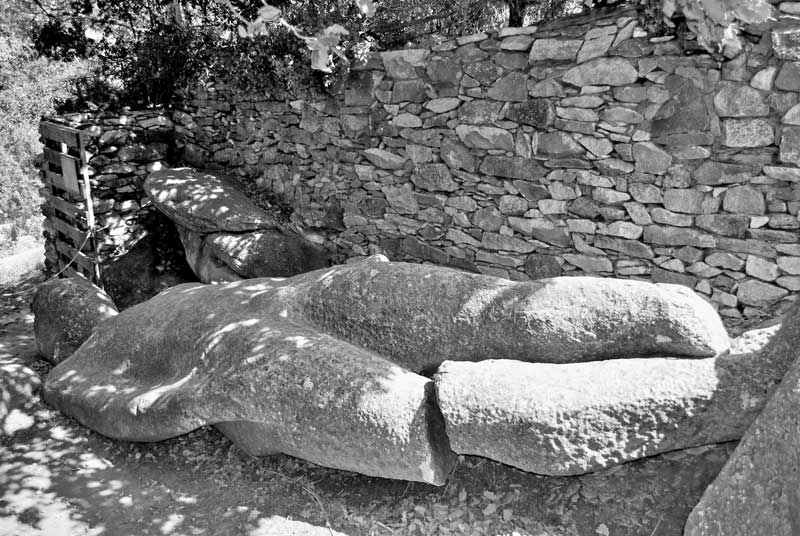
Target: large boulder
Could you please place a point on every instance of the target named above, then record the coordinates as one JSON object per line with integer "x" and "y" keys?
{"x": 66, "y": 312}
{"x": 756, "y": 493}
{"x": 205, "y": 202}
{"x": 267, "y": 253}
{"x": 576, "y": 418}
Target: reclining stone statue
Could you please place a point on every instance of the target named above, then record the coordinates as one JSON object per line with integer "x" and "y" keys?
{"x": 331, "y": 366}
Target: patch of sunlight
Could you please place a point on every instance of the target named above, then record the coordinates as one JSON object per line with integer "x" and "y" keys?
{"x": 143, "y": 402}
{"x": 172, "y": 522}
{"x": 299, "y": 341}
{"x": 270, "y": 526}
{"x": 216, "y": 337}
{"x": 15, "y": 421}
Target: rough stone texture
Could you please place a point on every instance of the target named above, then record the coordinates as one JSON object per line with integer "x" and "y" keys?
{"x": 268, "y": 253}
{"x": 203, "y": 261}
{"x": 240, "y": 356}
{"x": 577, "y": 418}
{"x": 602, "y": 71}
{"x": 479, "y": 316}
{"x": 204, "y": 202}
{"x": 66, "y": 312}
{"x": 756, "y": 491}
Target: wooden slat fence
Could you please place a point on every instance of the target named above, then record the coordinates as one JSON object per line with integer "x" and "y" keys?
{"x": 71, "y": 211}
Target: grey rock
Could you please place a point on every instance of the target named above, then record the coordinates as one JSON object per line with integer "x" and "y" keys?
{"x": 650, "y": 158}
{"x": 66, "y": 312}
{"x": 480, "y": 137}
{"x": 542, "y": 266}
{"x": 759, "y": 294}
{"x": 401, "y": 63}
{"x": 456, "y": 155}
{"x": 385, "y": 159}
{"x": 513, "y": 167}
{"x": 576, "y": 418}
{"x": 790, "y": 145}
{"x": 724, "y": 224}
{"x": 535, "y": 112}
{"x": 755, "y": 494}
{"x": 747, "y": 132}
{"x": 734, "y": 100}
{"x": 555, "y": 49}
{"x": 401, "y": 199}
{"x": 434, "y": 178}
{"x": 716, "y": 173}
{"x": 201, "y": 259}
{"x": 205, "y": 202}
{"x": 512, "y": 87}
{"x": 744, "y": 200}
{"x": 684, "y": 200}
{"x": 558, "y": 144}
{"x": 268, "y": 253}
{"x": 613, "y": 71}
{"x": 677, "y": 236}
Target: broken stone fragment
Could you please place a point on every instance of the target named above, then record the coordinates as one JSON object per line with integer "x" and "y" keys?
{"x": 576, "y": 418}
{"x": 755, "y": 494}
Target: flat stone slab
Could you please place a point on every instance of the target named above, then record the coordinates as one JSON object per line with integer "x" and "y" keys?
{"x": 577, "y": 418}
{"x": 205, "y": 202}
{"x": 756, "y": 493}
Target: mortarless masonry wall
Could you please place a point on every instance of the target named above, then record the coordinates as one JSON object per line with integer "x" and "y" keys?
{"x": 583, "y": 146}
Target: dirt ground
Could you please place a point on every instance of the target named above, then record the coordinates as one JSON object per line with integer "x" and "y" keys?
{"x": 59, "y": 478}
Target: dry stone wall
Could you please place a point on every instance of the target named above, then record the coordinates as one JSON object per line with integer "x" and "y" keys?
{"x": 123, "y": 148}
{"x": 584, "y": 146}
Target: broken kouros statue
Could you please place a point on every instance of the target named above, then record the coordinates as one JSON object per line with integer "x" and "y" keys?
{"x": 225, "y": 235}
{"x": 332, "y": 366}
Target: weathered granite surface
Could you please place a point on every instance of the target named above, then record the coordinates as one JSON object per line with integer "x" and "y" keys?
{"x": 756, "y": 493}
{"x": 67, "y": 311}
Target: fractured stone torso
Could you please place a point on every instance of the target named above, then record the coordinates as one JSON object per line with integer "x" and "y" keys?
{"x": 557, "y": 376}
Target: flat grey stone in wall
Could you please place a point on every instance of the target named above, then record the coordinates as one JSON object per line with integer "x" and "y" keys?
{"x": 724, "y": 224}
{"x": 409, "y": 91}
{"x": 677, "y": 236}
{"x": 513, "y": 167}
{"x": 747, "y": 132}
{"x": 744, "y": 200}
{"x": 788, "y": 78}
{"x": 385, "y": 159}
{"x": 633, "y": 248}
{"x": 547, "y": 49}
{"x": 510, "y": 88}
{"x": 716, "y": 173}
{"x": 601, "y": 72}
{"x": 480, "y": 137}
{"x": 734, "y": 100}
{"x": 457, "y": 155}
{"x": 650, "y": 158}
{"x": 558, "y": 144}
{"x": 434, "y": 177}
{"x": 685, "y": 200}
{"x": 401, "y": 199}
{"x": 758, "y": 294}
{"x": 535, "y": 112}
{"x": 542, "y": 266}
{"x": 790, "y": 145}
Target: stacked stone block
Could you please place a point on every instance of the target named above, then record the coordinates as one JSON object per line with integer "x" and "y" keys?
{"x": 123, "y": 148}
{"x": 583, "y": 146}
